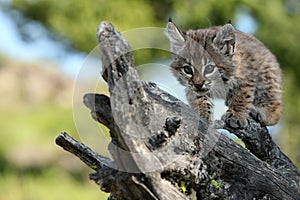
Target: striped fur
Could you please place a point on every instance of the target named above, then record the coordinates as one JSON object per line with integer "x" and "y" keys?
{"x": 221, "y": 62}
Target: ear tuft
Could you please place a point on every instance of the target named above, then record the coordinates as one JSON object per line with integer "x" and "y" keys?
{"x": 225, "y": 39}
{"x": 176, "y": 37}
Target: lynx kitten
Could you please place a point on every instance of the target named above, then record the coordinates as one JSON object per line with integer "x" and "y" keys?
{"x": 225, "y": 63}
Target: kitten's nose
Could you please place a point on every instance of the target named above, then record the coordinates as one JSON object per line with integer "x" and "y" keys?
{"x": 198, "y": 86}
{"x": 201, "y": 87}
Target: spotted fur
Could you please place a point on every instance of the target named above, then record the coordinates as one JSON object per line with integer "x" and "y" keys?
{"x": 225, "y": 63}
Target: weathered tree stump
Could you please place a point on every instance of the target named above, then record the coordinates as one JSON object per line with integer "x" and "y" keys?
{"x": 161, "y": 149}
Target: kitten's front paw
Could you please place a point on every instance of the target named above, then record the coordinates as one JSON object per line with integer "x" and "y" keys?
{"x": 234, "y": 120}
{"x": 256, "y": 115}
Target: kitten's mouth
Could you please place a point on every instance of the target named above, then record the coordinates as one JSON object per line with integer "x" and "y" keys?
{"x": 202, "y": 91}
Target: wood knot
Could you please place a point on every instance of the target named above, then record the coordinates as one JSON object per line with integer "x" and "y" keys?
{"x": 172, "y": 124}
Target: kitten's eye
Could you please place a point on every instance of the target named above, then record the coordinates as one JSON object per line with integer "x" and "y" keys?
{"x": 188, "y": 69}
{"x": 209, "y": 69}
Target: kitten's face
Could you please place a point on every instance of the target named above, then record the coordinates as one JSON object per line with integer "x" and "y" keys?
{"x": 193, "y": 65}
{"x": 194, "y": 69}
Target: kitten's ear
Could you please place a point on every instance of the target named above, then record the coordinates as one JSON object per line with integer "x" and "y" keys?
{"x": 225, "y": 39}
{"x": 176, "y": 37}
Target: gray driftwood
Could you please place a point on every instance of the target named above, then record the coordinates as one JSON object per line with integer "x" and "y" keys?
{"x": 161, "y": 149}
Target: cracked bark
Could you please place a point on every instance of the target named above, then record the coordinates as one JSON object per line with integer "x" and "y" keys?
{"x": 161, "y": 149}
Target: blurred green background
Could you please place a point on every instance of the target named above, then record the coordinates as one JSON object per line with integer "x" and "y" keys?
{"x": 43, "y": 46}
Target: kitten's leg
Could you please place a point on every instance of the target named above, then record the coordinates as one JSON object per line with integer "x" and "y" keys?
{"x": 239, "y": 99}
{"x": 267, "y": 108}
{"x": 267, "y": 99}
{"x": 267, "y": 115}
{"x": 204, "y": 107}
{"x": 272, "y": 113}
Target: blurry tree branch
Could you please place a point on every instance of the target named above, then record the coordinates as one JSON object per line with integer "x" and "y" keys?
{"x": 161, "y": 149}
